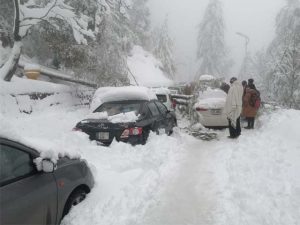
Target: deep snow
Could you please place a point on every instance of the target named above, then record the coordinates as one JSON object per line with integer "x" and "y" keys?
{"x": 146, "y": 70}
{"x": 179, "y": 179}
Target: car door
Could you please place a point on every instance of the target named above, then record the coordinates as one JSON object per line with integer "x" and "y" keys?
{"x": 167, "y": 121}
{"x": 27, "y": 196}
{"x": 156, "y": 117}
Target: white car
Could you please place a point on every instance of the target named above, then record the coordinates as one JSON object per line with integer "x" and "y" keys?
{"x": 163, "y": 95}
{"x": 209, "y": 108}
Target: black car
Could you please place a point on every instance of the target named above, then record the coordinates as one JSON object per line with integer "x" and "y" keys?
{"x": 152, "y": 116}
{"x": 38, "y": 191}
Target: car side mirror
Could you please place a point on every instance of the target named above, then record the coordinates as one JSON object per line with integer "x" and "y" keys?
{"x": 168, "y": 111}
{"x": 48, "y": 166}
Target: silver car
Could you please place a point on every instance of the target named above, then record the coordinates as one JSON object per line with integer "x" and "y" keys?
{"x": 30, "y": 196}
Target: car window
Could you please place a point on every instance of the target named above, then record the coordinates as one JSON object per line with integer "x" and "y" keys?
{"x": 153, "y": 109}
{"x": 14, "y": 164}
{"x": 114, "y": 108}
{"x": 161, "y": 98}
{"x": 145, "y": 110}
{"x": 162, "y": 108}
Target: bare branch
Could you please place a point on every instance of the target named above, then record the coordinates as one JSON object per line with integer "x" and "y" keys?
{"x": 47, "y": 13}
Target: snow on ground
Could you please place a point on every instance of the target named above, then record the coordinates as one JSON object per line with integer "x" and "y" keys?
{"x": 179, "y": 179}
{"x": 22, "y": 85}
{"x": 146, "y": 69}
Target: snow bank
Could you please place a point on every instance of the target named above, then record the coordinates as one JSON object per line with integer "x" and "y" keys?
{"x": 20, "y": 95}
{"x": 22, "y": 85}
{"x": 107, "y": 94}
{"x": 48, "y": 148}
{"x": 146, "y": 69}
{"x": 259, "y": 179}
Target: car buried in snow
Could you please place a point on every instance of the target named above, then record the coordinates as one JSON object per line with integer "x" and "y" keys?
{"x": 36, "y": 190}
{"x": 164, "y": 96}
{"x": 126, "y": 114}
{"x": 209, "y": 108}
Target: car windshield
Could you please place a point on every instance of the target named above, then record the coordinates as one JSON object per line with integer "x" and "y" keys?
{"x": 114, "y": 108}
{"x": 162, "y": 98}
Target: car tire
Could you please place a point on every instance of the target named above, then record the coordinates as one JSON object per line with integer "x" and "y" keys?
{"x": 77, "y": 196}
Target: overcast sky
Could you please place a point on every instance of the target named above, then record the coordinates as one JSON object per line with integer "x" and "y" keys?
{"x": 256, "y": 18}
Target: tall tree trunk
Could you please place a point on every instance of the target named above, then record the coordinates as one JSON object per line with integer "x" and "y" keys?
{"x": 10, "y": 67}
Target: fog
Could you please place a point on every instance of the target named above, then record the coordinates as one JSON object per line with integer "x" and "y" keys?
{"x": 255, "y": 18}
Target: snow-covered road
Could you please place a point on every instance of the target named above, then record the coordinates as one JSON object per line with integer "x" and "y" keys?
{"x": 179, "y": 179}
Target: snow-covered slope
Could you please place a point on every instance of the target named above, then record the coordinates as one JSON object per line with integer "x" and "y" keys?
{"x": 146, "y": 69}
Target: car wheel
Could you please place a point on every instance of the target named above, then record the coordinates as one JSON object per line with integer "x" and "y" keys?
{"x": 75, "y": 198}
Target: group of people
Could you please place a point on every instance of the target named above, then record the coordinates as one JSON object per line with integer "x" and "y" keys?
{"x": 243, "y": 100}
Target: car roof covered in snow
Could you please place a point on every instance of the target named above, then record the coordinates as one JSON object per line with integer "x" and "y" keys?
{"x": 206, "y": 77}
{"x": 161, "y": 91}
{"x": 112, "y": 94}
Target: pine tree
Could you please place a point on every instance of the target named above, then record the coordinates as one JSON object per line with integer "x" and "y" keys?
{"x": 283, "y": 78}
{"x": 163, "y": 49}
{"x": 139, "y": 15}
{"x": 211, "y": 51}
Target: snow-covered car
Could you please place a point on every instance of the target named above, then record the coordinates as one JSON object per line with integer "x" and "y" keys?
{"x": 38, "y": 191}
{"x": 209, "y": 108}
{"x": 164, "y": 96}
{"x": 126, "y": 114}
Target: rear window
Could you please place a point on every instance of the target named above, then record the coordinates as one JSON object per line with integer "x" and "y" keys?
{"x": 114, "y": 108}
{"x": 153, "y": 109}
{"x": 162, "y": 98}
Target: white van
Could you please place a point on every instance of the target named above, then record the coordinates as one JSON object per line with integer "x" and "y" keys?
{"x": 163, "y": 95}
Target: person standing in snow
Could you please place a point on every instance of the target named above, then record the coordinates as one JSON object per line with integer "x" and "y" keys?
{"x": 244, "y": 84}
{"x": 225, "y": 87}
{"x": 233, "y": 107}
{"x": 250, "y": 104}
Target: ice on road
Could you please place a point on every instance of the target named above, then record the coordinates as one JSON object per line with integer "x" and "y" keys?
{"x": 179, "y": 179}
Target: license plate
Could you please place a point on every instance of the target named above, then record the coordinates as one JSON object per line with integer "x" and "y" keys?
{"x": 102, "y": 135}
{"x": 216, "y": 111}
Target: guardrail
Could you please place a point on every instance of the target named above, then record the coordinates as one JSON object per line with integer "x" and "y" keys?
{"x": 51, "y": 73}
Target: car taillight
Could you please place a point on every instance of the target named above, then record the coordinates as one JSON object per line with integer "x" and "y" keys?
{"x": 132, "y": 131}
{"x": 199, "y": 109}
{"x": 174, "y": 104}
{"x": 76, "y": 129}
{"x": 136, "y": 131}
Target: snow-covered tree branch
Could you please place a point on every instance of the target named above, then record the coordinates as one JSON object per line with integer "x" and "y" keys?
{"x": 31, "y": 13}
{"x": 283, "y": 77}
